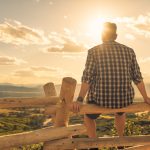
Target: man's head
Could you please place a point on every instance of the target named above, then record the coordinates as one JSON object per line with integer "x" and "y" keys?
{"x": 109, "y": 32}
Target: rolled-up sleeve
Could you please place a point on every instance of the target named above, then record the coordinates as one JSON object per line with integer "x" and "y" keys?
{"x": 135, "y": 70}
{"x": 90, "y": 68}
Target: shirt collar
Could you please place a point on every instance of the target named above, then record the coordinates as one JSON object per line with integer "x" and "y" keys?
{"x": 109, "y": 42}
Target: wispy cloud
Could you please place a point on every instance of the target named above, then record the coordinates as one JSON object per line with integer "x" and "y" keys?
{"x": 67, "y": 45}
{"x": 65, "y": 17}
{"x": 37, "y": 0}
{"x": 38, "y": 74}
{"x": 24, "y": 73}
{"x": 7, "y": 60}
{"x": 144, "y": 60}
{"x": 75, "y": 56}
{"x": 51, "y": 2}
{"x": 40, "y": 71}
{"x": 43, "y": 68}
{"x": 130, "y": 36}
{"x": 140, "y": 24}
{"x": 14, "y": 32}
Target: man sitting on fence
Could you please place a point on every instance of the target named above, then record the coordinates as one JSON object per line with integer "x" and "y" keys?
{"x": 109, "y": 70}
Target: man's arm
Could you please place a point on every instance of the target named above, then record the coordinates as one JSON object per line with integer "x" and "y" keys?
{"x": 83, "y": 90}
{"x": 141, "y": 88}
{"x": 75, "y": 107}
{"x": 86, "y": 80}
{"x": 138, "y": 79}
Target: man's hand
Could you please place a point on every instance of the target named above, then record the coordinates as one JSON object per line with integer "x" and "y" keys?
{"x": 147, "y": 100}
{"x": 75, "y": 106}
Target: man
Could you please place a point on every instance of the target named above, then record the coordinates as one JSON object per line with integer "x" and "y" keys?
{"x": 110, "y": 68}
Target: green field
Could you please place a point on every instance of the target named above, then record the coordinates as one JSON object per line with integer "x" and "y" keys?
{"x": 31, "y": 119}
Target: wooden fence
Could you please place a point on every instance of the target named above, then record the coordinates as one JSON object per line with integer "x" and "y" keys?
{"x": 58, "y": 137}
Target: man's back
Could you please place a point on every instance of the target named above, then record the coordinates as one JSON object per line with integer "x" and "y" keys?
{"x": 110, "y": 68}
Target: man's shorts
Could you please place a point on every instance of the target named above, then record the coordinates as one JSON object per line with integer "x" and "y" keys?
{"x": 95, "y": 116}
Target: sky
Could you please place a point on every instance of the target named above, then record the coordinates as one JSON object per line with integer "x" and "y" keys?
{"x": 45, "y": 40}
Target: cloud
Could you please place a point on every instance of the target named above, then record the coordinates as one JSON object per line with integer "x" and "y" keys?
{"x": 65, "y": 17}
{"x": 143, "y": 27}
{"x": 51, "y": 2}
{"x": 26, "y": 76}
{"x": 144, "y": 60}
{"x": 129, "y": 36}
{"x": 37, "y": 0}
{"x": 40, "y": 71}
{"x": 67, "y": 31}
{"x": 14, "y": 32}
{"x": 24, "y": 73}
{"x": 56, "y": 38}
{"x": 69, "y": 45}
{"x": 65, "y": 42}
{"x": 75, "y": 56}
{"x": 43, "y": 68}
{"x": 140, "y": 24}
{"x": 6, "y": 60}
{"x": 37, "y": 74}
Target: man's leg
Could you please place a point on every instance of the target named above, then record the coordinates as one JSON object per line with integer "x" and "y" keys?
{"x": 90, "y": 126}
{"x": 89, "y": 121}
{"x": 120, "y": 119}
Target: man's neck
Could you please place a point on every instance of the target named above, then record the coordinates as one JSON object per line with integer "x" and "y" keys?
{"x": 104, "y": 41}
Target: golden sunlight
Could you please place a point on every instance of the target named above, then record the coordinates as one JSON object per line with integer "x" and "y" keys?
{"x": 94, "y": 28}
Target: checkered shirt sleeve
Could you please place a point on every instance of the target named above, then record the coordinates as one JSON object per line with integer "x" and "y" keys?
{"x": 135, "y": 70}
{"x": 90, "y": 68}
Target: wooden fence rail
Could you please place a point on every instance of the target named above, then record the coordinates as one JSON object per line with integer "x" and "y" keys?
{"x": 49, "y": 103}
{"x": 28, "y": 102}
{"x": 41, "y": 135}
{"x": 81, "y": 143}
{"x": 90, "y": 108}
{"x": 139, "y": 147}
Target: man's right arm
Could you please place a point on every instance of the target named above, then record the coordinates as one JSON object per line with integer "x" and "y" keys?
{"x": 84, "y": 89}
{"x": 138, "y": 79}
{"x": 141, "y": 88}
{"x": 75, "y": 107}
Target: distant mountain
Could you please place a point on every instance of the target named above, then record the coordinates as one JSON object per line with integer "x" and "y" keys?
{"x": 12, "y": 90}
{"x": 11, "y": 87}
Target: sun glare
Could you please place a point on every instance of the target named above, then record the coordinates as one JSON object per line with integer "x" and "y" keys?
{"x": 94, "y": 28}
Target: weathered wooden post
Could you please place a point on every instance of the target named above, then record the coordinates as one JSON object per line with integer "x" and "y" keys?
{"x": 50, "y": 90}
{"x": 66, "y": 96}
{"x": 62, "y": 113}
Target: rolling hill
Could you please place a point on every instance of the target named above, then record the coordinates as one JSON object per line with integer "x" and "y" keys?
{"x": 12, "y": 90}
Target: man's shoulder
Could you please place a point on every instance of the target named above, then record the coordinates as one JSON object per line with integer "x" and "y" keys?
{"x": 100, "y": 47}
{"x": 94, "y": 48}
{"x": 125, "y": 46}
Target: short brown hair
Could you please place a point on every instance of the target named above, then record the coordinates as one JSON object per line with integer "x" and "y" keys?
{"x": 110, "y": 27}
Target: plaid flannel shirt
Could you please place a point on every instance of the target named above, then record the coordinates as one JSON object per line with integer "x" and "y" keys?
{"x": 110, "y": 69}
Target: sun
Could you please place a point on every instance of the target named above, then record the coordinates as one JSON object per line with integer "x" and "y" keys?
{"x": 94, "y": 28}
